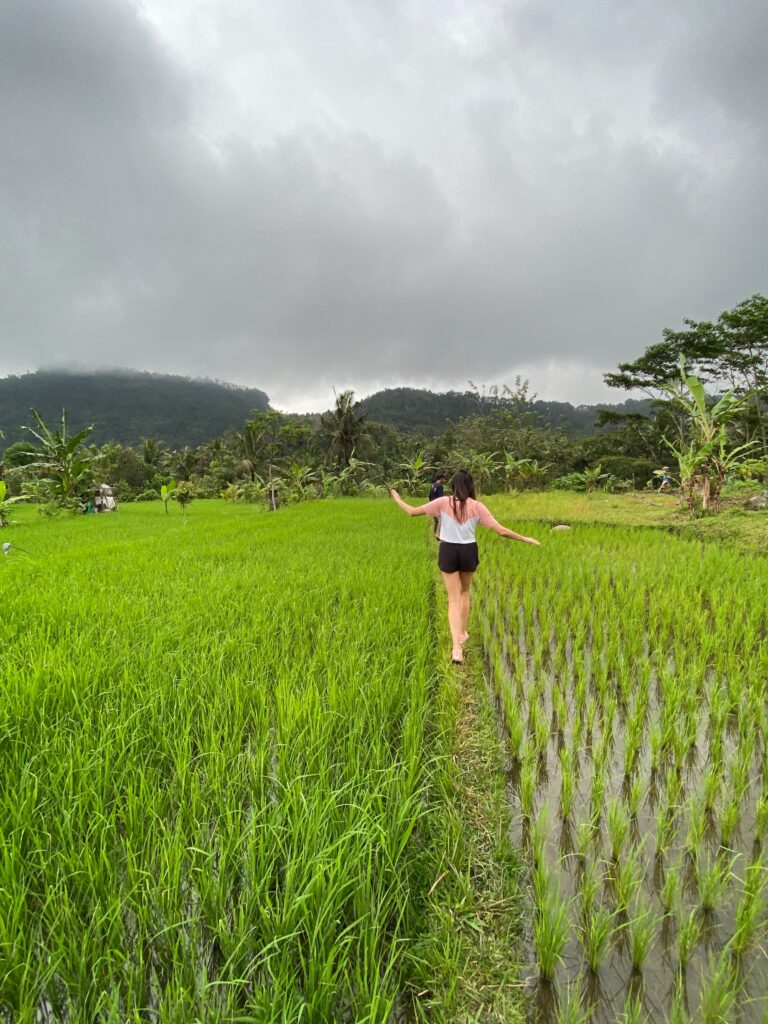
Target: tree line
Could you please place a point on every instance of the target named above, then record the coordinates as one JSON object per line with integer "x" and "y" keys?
{"x": 707, "y": 419}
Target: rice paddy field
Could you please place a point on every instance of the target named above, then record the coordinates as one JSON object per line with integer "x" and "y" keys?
{"x": 629, "y": 672}
{"x": 217, "y": 734}
{"x": 228, "y": 746}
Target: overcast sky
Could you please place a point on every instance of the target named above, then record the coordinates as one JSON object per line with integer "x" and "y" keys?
{"x": 302, "y": 194}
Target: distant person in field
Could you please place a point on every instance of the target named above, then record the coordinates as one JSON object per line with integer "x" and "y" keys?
{"x": 437, "y": 491}
{"x": 666, "y": 480}
{"x": 457, "y": 555}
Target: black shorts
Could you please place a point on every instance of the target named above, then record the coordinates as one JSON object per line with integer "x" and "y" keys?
{"x": 457, "y": 557}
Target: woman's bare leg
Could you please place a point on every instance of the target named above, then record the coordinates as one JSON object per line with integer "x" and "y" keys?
{"x": 452, "y": 581}
{"x": 465, "y": 579}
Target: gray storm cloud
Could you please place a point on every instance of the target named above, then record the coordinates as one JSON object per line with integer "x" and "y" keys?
{"x": 294, "y": 194}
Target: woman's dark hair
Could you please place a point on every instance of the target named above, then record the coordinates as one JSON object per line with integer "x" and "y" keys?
{"x": 462, "y": 487}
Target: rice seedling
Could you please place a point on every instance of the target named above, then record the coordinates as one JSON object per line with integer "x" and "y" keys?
{"x": 635, "y": 797}
{"x": 528, "y": 784}
{"x": 627, "y": 877}
{"x": 632, "y": 1011}
{"x": 730, "y": 816}
{"x": 590, "y": 884}
{"x": 712, "y": 876}
{"x": 585, "y": 836}
{"x": 596, "y": 929}
{"x": 761, "y": 818}
{"x": 711, "y": 788}
{"x": 617, "y": 824}
{"x": 538, "y": 836}
{"x": 550, "y": 932}
{"x": 671, "y": 888}
{"x": 568, "y": 784}
{"x": 751, "y": 920}
{"x": 697, "y": 826}
{"x": 688, "y": 937}
{"x": 641, "y": 929}
{"x": 571, "y": 1008}
{"x": 718, "y": 995}
{"x": 677, "y": 1011}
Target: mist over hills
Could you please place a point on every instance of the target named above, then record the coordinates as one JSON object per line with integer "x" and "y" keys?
{"x": 129, "y": 405}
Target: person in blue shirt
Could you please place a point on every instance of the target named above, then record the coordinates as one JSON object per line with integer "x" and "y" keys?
{"x": 437, "y": 491}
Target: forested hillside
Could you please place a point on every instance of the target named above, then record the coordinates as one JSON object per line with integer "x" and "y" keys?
{"x": 412, "y": 410}
{"x": 128, "y": 405}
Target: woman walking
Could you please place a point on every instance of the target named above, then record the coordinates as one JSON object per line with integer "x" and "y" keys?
{"x": 458, "y": 556}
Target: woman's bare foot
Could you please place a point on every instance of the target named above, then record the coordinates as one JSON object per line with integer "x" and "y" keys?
{"x": 457, "y": 656}
{"x": 463, "y": 638}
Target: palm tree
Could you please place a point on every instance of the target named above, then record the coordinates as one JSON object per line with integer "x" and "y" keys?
{"x": 185, "y": 463}
{"x": 153, "y": 453}
{"x": 344, "y": 428}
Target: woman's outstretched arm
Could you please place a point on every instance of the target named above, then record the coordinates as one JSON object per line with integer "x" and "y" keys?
{"x": 487, "y": 519}
{"x": 432, "y": 508}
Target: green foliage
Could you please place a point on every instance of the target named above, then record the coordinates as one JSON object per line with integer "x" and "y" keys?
{"x": 61, "y": 455}
{"x": 184, "y": 494}
{"x": 5, "y": 504}
{"x": 166, "y": 493}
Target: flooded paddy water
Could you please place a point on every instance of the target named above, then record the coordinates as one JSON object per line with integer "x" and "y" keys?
{"x": 629, "y": 672}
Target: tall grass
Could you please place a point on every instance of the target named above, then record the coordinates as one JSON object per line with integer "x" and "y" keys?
{"x": 217, "y": 737}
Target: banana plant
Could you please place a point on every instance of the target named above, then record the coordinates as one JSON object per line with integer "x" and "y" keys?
{"x": 707, "y": 460}
{"x": 166, "y": 493}
{"x": 61, "y": 453}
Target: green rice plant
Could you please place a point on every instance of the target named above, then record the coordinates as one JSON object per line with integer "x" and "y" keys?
{"x": 656, "y": 745}
{"x": 697, "y": 826}
{"x": 641, "y": 928}
{"x": 590, "y": 885}
{"x": 751, "y": 919}
{"x": 632, "y": 746}
{"x": 514, "y": 722}
{"x": 550, "y": 932}
{"x": 538, "y": 835}
{"x": 632, "y": 1011}
{"x": 730, "y": 817}
{"x": 595, "y": 932}
{"x": 674, "y": 786}
{"x": 627, "y": 877}
{"x": 688, "y": 938}
{"x": 711, "y": 788}
{"x": 671, "y": 888}
{"x": 761, "y": 818}
{"x": 568, "y": 784}
{"x": 586, "y": 834}
{"x": 597, "y": 794}
{"x": 528, "y": 785}
{"x": 542, "y": 736}
{"x": 719, "y": 992}
{"x": 666, "y": 830}
{"x": 617, "y": 824}
{"x": 677, "y": 1011}
{"x": 577, "y": 730}
{"x": 571, "y": 1009}
{"x": 635, "y": 797}
{"x": 712, "y": 877}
